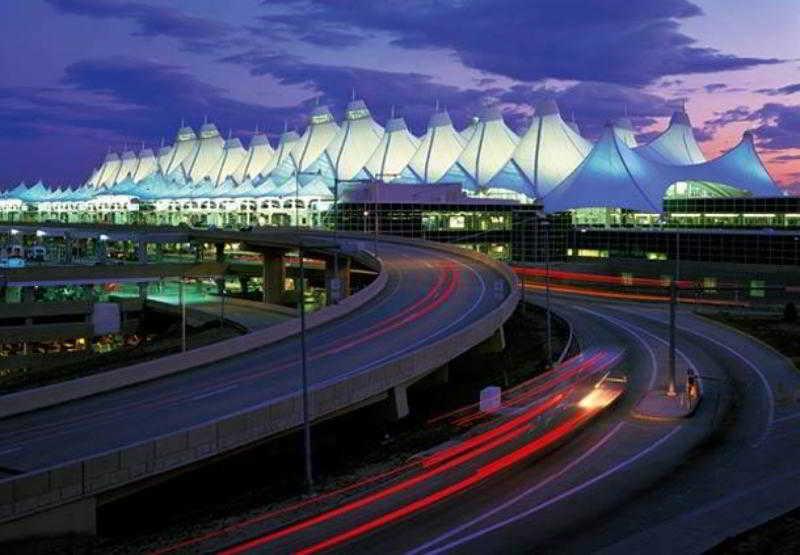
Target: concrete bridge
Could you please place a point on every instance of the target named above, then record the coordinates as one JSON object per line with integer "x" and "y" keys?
{"x": 67, "y": 448}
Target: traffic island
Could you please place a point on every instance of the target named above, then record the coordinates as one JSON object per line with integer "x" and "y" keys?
{"x": 657, "y": 405}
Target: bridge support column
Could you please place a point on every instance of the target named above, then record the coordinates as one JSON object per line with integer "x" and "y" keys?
{"x": 68, "y": 244}
{"x": 274, "y": 276}
{"x": 142, "y": 291}
{"x": 495, "y": 344}
{"x": 244, "y": 284}
{"x": 79, "y": 517}
{"x": 27, "y": 294}
{"x": 141, "y": 252}
{"x": 337, "y": 278}
{"x": 397, "y": 403}
{"x": 441, "y": 375}
{"x": 220, "y": 258}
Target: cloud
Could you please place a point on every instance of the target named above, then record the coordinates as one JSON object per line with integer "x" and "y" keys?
{"x": 714, "y": 87}
{"x": 618, "y": 41}
{"x": 788, "y": 89}
{"x": 775, "y": 126}
{"x": 196, "y": 33}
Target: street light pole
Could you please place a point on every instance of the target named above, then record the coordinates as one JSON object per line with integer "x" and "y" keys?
{"x": 304, "y": 364}
{"x": 546, "y": 225}
{"x": 673, "y": 305}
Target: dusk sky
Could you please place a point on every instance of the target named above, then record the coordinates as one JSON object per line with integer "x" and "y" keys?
{"x": 81, "y": 76}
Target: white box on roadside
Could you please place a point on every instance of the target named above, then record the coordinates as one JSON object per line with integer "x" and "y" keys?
{"x": 491, "y": 399}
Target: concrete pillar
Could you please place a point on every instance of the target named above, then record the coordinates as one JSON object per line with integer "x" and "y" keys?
{"x": 441, "y": 375}
{"x": 220, "y": 258}
{"x": 68, "y": 243}
{"x": 495, "y": 344}
{"x": 142, "y": 291}
{"x": 101, "y": 250}
{"x": 332, "y": 278}
{"x": 244, "y": 284}
{"x": 27, "y": 294}
{"x": 141, "y": 252}
{"x": 274, "y": 276}
{"x": 397, "y": 403}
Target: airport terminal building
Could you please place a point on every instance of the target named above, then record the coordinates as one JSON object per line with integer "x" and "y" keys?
{"x": 491, "y": 174}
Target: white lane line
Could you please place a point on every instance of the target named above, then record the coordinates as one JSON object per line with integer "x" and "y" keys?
{"x": 552, "y": 501}
{"x": 517, "y": 498}
{"x": 748, "y": 362}
{"x": 627, "y": 327}
{"x": 11, "y": 450}
{"x": 787, "y": 418}
{"x": 213, "y": 392}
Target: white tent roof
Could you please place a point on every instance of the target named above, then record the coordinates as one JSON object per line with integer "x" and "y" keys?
{"x": 612, "y": 175}
{"x": 208, "y": 152}
{"x": 259, "y": 160}
{"x": 284, "y": 163}
{"x": 109, "y": 170}
{"x": 490, "y": 147}
{"x": 624, "y": 130}
{"x": 128, "y": 166}
{"x": 229, "y": 164}
{"x": 355, "y": 142}
{"x": 676, "y": 145}
{"x": 469, "y": 130}
{"x": 395, "y": 150}
{"x": 322, "y": 129}
{"x": 183, "y": 149}
{"x": 146, "y": 165}
{"x": 550, "y": 150}
{"x": 439, "y": 148}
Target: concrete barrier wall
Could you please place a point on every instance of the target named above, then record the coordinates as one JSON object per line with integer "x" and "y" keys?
{"x": 34, "y": 399}
{"x": 30, "y": 493}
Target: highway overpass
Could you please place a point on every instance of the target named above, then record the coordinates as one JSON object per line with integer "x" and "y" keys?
{"x": 429, "y": 304}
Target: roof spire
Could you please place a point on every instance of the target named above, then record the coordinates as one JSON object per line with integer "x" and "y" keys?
{"x": 316, "y": 101}
{"x": 285, "y": 126}
{"x": 229, "y": 133}
{"x": 205, "y": 119}
{"x": 183, "y": 123}
{"x": 436, "y": 106}
{"x": 392, "y": 112}
{"x": 573, "y": 116}
{"x": 353, "y": 97}
{"x": 626, "y": 109}
{"x": 256, "y": 132}
{"x": 162, "y": 142}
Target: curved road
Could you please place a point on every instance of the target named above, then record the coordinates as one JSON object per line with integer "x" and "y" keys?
{"x": 430, "y": 294}
{"x": 624, "y": 485}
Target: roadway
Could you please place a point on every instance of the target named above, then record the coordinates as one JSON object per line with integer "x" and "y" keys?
{"x": 622, "y": 485}
{"x": 429, "y": 295}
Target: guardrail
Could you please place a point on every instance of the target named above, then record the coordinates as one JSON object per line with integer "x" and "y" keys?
{"x": 55, "y": 394}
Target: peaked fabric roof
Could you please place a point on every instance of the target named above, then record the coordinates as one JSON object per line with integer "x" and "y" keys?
{"x": 322, "y": 129}
{"x": 550, "y": 150}
{"x": 200, "y": 165}
{"x": 676, "y": 145}
{"x": 183, "y": 149}
{"x": 489, "y": 149}
{"x": 355, "y": 142}
{"x": 438, "y": 150}
{"x": 394, "y": 152}
{"x": 258, "y": 161}
{"x": 146, "y": 165}
{"x": 228, "y": 165}
{"x": 613, "y": 176}
{"x": 624, "y": 130}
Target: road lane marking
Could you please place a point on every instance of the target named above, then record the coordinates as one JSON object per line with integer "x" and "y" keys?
{"x": 11, "y": 450}
{"x": 214, "y": 392}
{"x": 748, "y": 362}
{"x": 553, "y": 500}
{"x": 603, "y": 440}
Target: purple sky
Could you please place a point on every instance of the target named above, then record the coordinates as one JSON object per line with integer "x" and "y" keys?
{"x": 80, "y": 76}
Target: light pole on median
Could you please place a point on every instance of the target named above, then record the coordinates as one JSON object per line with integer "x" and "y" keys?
{"x": 673, "y": 304}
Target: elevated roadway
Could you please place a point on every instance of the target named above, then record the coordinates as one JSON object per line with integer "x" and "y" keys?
{"x": 436, "y": 303}
{"x": 624, "y": 484}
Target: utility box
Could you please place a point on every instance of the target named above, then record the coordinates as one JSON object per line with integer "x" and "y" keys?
{"x": 491, "y": 399}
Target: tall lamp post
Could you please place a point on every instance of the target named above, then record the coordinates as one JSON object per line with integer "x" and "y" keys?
{"x": 673, "y": 304}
